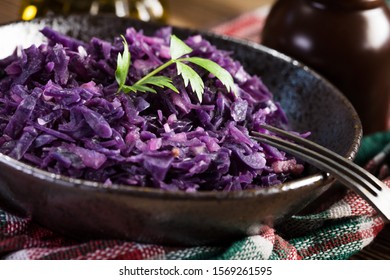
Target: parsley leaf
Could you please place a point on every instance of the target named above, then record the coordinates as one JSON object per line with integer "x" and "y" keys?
{"x": 123, "y": 65}
{"x": 214, "y": 68}
{"x": 180, "y": 52}
{"x": 190, "y": 76}
{"x": 161, "y": 81}
{"x": 178, "y": 48}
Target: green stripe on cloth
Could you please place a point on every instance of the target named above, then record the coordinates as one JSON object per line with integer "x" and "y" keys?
{"x": 371, "y": 145}
{"x": 195, "y": 253}
{"x": 337, "y": 240}
{"x": 251, "y": 248}
{"x": 3, "y": 222}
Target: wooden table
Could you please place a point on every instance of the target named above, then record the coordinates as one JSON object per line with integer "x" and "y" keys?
{"x": 204, "y": 15}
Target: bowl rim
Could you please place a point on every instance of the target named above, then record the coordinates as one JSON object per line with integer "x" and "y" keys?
{"x": 312, "y": 179}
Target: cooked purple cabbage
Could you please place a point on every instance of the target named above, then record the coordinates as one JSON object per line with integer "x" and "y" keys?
{"x": 60, "y": 111}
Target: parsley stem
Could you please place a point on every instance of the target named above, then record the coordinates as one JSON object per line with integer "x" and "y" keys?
{"x": 155, "y": 71}
{"x": 158, "y": 69}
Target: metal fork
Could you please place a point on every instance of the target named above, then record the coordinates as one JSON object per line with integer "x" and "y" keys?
{"x": 345, "y": 171}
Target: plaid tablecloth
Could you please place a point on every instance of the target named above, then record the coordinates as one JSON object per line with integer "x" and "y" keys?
{"x": 336, "y": 231}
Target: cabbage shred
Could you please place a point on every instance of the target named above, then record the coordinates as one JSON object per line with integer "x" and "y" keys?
{"x": 60, "y": 111}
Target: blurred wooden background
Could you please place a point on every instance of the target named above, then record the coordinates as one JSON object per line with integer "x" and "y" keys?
{"x": 188, "y": 13}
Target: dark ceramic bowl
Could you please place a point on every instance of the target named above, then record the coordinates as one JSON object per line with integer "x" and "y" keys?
{"x": 90, "y": 210}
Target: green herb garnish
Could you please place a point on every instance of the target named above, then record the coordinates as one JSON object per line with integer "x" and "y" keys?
{"x": 178, "y": 49}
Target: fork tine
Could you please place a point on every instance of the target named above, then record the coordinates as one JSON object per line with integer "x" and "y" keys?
{"x": 315, "y": 147}
{"x": 344, "y": 170}
{"x": 322, "y": 162}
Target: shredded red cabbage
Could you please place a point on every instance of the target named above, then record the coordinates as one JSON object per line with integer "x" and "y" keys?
{"x": 60, "y": 111}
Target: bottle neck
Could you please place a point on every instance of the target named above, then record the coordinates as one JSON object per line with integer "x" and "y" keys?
{"x": 347, "y": 4}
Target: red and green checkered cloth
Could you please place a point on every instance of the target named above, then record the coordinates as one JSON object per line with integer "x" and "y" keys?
{"x": 340, "y": 230}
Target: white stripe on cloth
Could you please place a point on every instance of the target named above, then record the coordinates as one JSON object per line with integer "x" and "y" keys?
{"x": 340, "y": 209}
{"x": 18, "y": 255}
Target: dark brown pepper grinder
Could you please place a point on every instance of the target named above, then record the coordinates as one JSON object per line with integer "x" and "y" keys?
{"x": 346, "y": 41}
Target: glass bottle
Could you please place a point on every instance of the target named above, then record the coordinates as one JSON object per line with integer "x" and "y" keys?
{"x": 146, "y": 10}
{"x": 347, "y": 41}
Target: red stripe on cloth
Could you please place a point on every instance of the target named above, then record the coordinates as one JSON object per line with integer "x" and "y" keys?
{"x": 33, "y": 237}
{"x": 359, "y": 206}
{"x": 11, "y": 225}
{"x": 126, "y": 251}
{"x": 284, "y": 250}
{"x": 387, "y": 182}
{"x": 95, "y": 250}
{"x": 241, "y": 27}
{"x": 247, "y": 26}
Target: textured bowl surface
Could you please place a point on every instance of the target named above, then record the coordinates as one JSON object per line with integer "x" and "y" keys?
{"x": 90, "y": 210}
